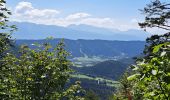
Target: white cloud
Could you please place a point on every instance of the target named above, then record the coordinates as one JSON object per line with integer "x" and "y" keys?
{"x": 99, "y": 22}
{"x": 77, "y": 16}
{"x": 25, "y": 11}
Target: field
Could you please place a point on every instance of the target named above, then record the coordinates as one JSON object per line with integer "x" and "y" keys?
{"x": 99, "y": 80}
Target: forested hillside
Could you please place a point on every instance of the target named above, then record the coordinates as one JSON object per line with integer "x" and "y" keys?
{"x": 107, "y": 69}
{"x": 101, "y": 48}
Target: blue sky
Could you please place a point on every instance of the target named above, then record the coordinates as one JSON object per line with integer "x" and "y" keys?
{"x": 109, "y": 8}
{"x": 111, "y": 14}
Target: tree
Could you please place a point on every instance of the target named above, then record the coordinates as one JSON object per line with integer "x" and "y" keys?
{"x": 39, "y": 74}
{"x": 5, "y": 43}
{"x": 91, "y": 95}
{"x": 157, "y": 15}
{"x": 151, "y": 72}
{"x": 150, "y": 75}
{"x": 123, "y": 92}
{"x": 5, "y": 29}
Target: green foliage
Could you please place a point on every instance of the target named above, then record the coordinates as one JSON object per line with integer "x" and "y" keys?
{"x": 153, "y": 79}
{"x": 5, "y": 29}
{"x": 73, "y": 93}
{"x": 151, "y": 73}
{"x": 5, "y": 43}
{"x": 39, "y": 74}
{"x": 101, "y": 90}
{"x": 124, "y": 91}
{"x": 36, "y": 74}
{"x": 150, "y": 79}
{"x": 154, "y": 41}
{"x": 91, "y": 95}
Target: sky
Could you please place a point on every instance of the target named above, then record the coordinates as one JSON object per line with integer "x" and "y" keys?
{"x": 111, "y": 14}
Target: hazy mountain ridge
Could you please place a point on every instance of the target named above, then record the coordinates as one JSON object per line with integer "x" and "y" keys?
{"x": 38, "y": 31}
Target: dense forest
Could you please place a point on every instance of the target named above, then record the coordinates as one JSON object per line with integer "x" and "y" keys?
{"x": 45, "y": 72}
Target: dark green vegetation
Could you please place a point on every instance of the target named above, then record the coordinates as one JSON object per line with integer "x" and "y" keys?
{"x": 104, "y": 73}
{"x": 100, "y": 90}
{"x": 108, "y": 69}
{"x": 39, "y": 74}
{"x": 102, "y": 87}
{"x": 150, "y": 76}
{"x": 35, "y": 74}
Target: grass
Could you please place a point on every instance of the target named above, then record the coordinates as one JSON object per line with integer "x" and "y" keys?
{"x": 88, "y": 61}
{"x": 108, "y": 82}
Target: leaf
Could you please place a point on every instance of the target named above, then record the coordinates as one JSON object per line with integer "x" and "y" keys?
{"x": 156, "y": 48}
{"x": 168, "y": 74}
{"x": 135, "y": 67}
{"x": 168, "y": 86}
{"x": 154, "y": 72}
{"x": 43, "y": 76}
{"x": 132, "y": 77}
{"x": 163, "y": 53}
{"x": 29, "y": 79}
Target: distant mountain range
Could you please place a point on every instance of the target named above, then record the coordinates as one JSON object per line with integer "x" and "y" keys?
{"x": 38, "y": 31}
